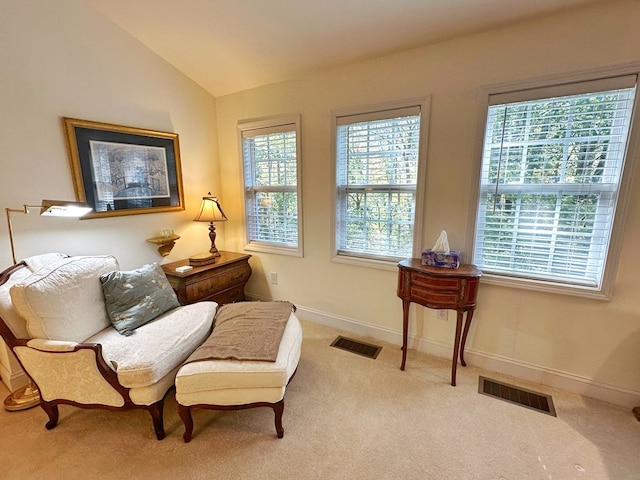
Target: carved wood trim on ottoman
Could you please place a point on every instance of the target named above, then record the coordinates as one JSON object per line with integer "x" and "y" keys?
{"x": 240, "y": 384}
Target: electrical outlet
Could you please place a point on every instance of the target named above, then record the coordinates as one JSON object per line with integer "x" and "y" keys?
{"x": 442, "y": 314}
{"x": 274, "y": 278}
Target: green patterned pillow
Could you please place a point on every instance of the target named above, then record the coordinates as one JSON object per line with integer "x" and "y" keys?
{"x": 136, "y": 297}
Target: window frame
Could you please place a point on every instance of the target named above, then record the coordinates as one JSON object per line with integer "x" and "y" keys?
{"x": 561, "y": 82}
{"x": 368, "y": 260}
{"x": 268, "y": 125}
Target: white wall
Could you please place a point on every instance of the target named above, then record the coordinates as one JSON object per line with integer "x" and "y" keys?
{"x": 60, "y": 59}
{"x": 585, "y": 345}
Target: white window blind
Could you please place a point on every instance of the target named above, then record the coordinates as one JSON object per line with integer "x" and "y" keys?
{"x": 377, "y": 157}
{"x": 550, "y": 181}
{"x": 270, "y": 156}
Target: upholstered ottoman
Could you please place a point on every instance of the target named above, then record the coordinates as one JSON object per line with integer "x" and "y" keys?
{"x": 247, "y": 362}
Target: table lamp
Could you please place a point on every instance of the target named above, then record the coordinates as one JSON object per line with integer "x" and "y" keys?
{"x": 210, "y": 211}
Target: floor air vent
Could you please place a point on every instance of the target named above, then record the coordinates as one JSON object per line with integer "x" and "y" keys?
{"x": 354, "y": 346}
{"x": 519, "y": 396}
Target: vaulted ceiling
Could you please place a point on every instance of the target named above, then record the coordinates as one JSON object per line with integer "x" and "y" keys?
{"x": 232, "y": 45}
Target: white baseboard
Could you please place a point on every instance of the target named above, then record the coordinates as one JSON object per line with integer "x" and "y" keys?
{"x": 555, "y": 378}
{"x": 534, "y": 373}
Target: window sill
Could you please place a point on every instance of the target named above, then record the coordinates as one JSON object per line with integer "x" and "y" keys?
{"x": 391, "y": 265}
{"x": 545, "y": 286}
{"x": 267, "y": 248}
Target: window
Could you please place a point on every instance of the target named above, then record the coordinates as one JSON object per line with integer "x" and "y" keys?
{"x": 271, "y": 158}
{"x": 550, "y": 183}
{"x": 378, "y": 166}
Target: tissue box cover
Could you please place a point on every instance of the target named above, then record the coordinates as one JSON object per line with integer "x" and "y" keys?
{"x": 440, "y": 259}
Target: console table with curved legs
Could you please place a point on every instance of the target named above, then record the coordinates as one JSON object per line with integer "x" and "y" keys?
{"x": 439, "y": 288}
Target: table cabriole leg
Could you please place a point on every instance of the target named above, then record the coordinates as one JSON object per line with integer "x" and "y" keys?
{"x": 467, "y": 324}
{"x": 405, "y": 331}
{"x": 456, "y": 348}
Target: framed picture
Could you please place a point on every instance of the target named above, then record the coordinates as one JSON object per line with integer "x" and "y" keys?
{"x": 124, "y": 170}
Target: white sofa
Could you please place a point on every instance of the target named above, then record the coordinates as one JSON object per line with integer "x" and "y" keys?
{"x": 53, "y": 317}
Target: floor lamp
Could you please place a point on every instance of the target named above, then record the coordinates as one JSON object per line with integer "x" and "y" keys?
{"x": 28, "y": 396}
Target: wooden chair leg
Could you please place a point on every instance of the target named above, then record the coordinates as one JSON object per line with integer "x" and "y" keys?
{"x": 156, "y": 410}
{"x": 51, "y": 409}
{"x": 278, "y": 409}
{"x": 185, "y": 415}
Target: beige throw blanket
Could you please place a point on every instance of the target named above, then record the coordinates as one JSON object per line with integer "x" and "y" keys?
{"x": 245, "y": 331}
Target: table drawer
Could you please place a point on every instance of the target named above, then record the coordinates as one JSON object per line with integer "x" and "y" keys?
{"x": 434, "y": 298}
{"x": 435, "y": 283}
{"x": 230, "y": 295}
{"x": 207, "y": 286}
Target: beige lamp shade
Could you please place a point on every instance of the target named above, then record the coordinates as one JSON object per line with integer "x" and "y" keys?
{"x": 210, "y": 211}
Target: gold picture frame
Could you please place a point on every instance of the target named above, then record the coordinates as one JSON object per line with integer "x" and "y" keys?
{"x": 119, "y": 170}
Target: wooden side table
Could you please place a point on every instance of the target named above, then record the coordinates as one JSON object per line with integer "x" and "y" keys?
{"x": 222, "y": 281}
{"x": 439, "y": 288}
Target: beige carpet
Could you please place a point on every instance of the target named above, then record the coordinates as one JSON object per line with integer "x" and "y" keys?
{"x": 346, "y": 417}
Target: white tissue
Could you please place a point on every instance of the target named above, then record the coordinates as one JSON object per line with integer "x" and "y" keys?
{"x": 442, "y": 244}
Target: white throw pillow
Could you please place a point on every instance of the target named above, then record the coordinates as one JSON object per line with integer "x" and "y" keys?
{"x": 9, "y": 314}
{"x": 36, "y": 262}
{"x": 64, "y": 300}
